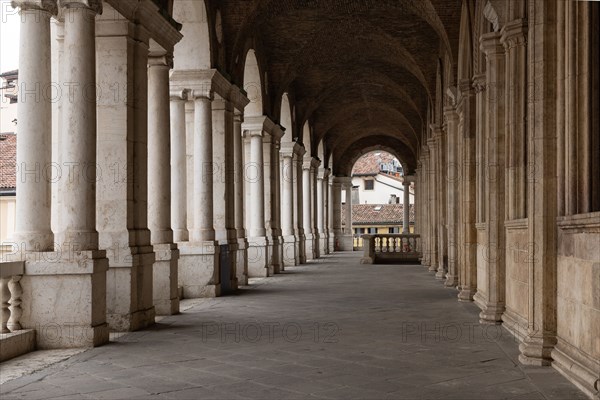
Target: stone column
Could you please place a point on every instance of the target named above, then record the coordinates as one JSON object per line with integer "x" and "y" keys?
{"x": 290, "y": 257}
{"x": 514, "y": 41}
{"x": 325, "y": 235}
{"x": 199, "y": 263}
{"x": 439, "y": 135}
{"x": 238, "y": 156}
{"x": 34, "y": 152}
{"x": 432, "y": 218}
{"x": 330, "y": 234}
{"x": 467, "y": 193}
{"x": 336, "y": 211}
{"x": 298, "y": 160}
{"x": 492, "y": 298}
{"x": 272, "y": 204}
{"x": 257, "y": 187}
{"x": 203, "y": 229}
{"x": 258, "y": 245}
{"x": 178, "y": 167}
{"x": 424, "y": 223}
{"x": 122, "y": 195}
{"x": 223, "y": 191}
{"x": 347, "y": 239}
{"x": 320, "y": 205}
{"x": 307, "y": 208}
{"x": 452, "y": 204}
{"x": 165, "y": 292}
{"x": 406, "y": 206}
{"x": 76, "y": 278}
{"x": 79, "y": 116}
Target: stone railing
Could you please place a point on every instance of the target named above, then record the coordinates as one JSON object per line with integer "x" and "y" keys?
{"x": 14, "y": 340}
{"x": 391, "y": 248}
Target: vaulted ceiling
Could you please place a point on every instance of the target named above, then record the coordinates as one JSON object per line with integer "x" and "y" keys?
{"x": 356, "y": 69}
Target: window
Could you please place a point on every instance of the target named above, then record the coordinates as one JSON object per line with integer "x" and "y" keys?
{"x": 369, "y": 184}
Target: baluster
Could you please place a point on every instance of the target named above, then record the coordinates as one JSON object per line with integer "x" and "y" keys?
{"x": 16, "y": 291}
{"x": 5, "y": 295}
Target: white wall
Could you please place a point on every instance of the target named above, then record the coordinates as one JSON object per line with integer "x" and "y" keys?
{"x": 383, "y": 187}
{"x": 8, "y": 112}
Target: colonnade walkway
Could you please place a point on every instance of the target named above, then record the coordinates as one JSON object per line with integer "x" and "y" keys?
{"x": 329, "y": 329}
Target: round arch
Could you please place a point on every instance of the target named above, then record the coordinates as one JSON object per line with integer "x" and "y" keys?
{"x": 253, "y": 85}
{"x": 194, "y": 51}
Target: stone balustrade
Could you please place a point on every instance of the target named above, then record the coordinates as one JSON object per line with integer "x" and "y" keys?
{"x": 14, "y": 340}
{"x": 382, "y": 248}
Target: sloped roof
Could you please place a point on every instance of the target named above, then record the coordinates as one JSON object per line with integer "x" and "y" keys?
{"x": 388, "y": 214}
{"x": 369, "y": 163}
{"x": 8, "y": 161}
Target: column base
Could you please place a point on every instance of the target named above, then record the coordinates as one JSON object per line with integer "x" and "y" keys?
{"x": 129, "y": 299}
{"x": 165, "y": 279}
{"x": 323, "y": 244}
{"x": 259, "y": 265}
{"x": 290, "y": 256}
{"x": 276, "y": 253}
{"x": 301, "y": 240}
{"x": 331, "y": 240}
{"x": 199, "y": 269}
{"x": 466, "y": 294}
{"x": 491, "y": 314}
{"x": 317, "y": 245}
{"x": 241, "y": 268}
{"x": 578, "y": 367}
{"x": 309, "y": 244}
{"x": 346, "y": 243}
{"x": 451, "y": 280}
{"x": 64, "y": 298}
{"x": 227, "y": 266}
{"x": 537, "y": 351}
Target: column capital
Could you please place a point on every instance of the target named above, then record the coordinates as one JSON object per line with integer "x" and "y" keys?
{"x": 450, "y": 114}
{"x": 323, "y": 173}
{"x": 407, "y": 180}
{"x": 94, "y": 5}
{"x": 196, "y": 94}
{"x": 436, "y": 131}
{"x": 238, "y": 116}
{"x": 311, "y": 162}
{"x": 163, "y": 60}
{"x": 268, "y": 129}
{"x": 288, "y": 149}
{"x": 343, "y": 180}
{"x": 50, "y": 6}
{"x": 209, "y": 80}
{"x": 514, "y": 33}
{"x": 479, "y": 83}
{"x": 181, "y": 95}
{"x": 491, "y": 45}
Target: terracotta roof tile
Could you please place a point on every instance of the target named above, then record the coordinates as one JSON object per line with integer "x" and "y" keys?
{"x": 8, "y": 161}
{"x": 367, "y": 214}
{"x": 369, "y": 163}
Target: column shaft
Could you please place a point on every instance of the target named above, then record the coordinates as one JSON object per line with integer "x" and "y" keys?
{"x": 257, "y": 187}
{"x": 239, "y": 174}
{"x": 159, "y": 149}
{"x": 287, "y": 193}
{"x": 34, "y": 150}
{"x": 203, "y": 170}
{"x": 178, "y": 169}
{"x": 79, "y": 122}
{"x": 405, "y": 208}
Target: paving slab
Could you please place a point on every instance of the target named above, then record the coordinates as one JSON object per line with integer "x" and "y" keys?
{"x": 333, "y": 329}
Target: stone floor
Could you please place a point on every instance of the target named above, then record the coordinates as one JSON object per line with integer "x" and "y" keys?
{"x": 333, "y": 329}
